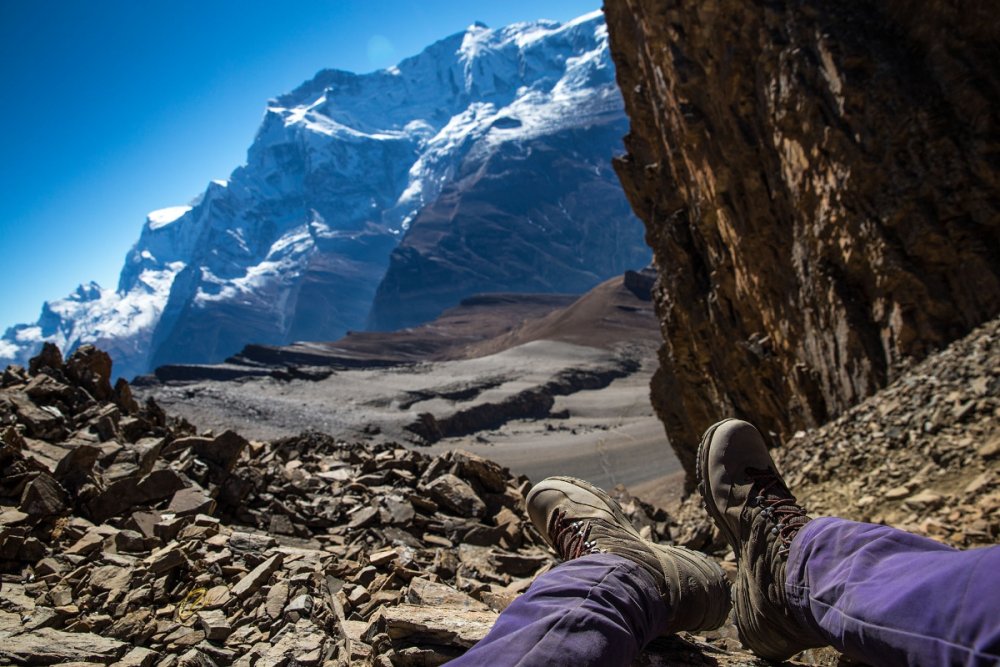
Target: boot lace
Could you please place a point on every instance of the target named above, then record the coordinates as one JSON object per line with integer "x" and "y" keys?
{"x": 778, "y": 505}
{"x": 571, "y": 538}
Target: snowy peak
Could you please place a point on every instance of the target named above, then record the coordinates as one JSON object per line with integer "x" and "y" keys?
{"x": 481, "y": 64}
{"x": 294, "y": 244}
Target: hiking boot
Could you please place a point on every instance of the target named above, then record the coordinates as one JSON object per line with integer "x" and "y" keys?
{"x": 576, "y": 518}
{"x": 758, "y": 515}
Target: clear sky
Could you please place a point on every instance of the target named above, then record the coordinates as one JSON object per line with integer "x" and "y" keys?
{"x": 114, "y": 108}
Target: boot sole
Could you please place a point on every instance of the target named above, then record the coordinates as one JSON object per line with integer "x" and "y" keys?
{"x": 702, "y": 478}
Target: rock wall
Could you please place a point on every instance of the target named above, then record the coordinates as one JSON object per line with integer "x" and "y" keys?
{"x": 818, "y": 182}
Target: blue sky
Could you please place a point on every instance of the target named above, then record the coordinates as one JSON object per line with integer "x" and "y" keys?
{"x": 114, "y": 108}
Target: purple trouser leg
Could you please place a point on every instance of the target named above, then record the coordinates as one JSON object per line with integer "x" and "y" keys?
{"x": 892, "y": 598}
{"x": 595, "y": 610}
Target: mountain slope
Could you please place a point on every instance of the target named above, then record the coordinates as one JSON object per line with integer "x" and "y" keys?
{"x": 294, "y": 244}
{"x": 538, "y": 216}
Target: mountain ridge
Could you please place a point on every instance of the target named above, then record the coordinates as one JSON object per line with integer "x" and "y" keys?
{"x": 293, "y": 245}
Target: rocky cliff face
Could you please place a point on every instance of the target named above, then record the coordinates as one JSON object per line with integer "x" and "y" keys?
{"x": 819, "y": 184}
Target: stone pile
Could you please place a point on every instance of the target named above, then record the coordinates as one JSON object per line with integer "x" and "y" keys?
{"x": 128, "y": 538}
{"x": 922, "y": 455}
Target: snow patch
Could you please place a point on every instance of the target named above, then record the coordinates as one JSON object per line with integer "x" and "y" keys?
{"x": 29, "y": 335}
{"x": 164, "y": 216}
{"x": 596, "y": 15}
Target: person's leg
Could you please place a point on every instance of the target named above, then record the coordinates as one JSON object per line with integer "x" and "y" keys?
{"x": 889, "y": 597}
{"x": 759, "y": 517}
{"x": 874, "y": 592}
{"x": 599, "y": 609}
{"x": 615, "y": 593}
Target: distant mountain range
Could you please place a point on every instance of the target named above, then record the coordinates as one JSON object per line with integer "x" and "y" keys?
{"x": 377, "y": 201}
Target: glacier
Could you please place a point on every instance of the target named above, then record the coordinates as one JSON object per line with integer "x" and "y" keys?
{"x": 295, "y": 243}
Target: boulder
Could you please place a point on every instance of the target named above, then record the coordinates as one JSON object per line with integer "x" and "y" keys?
{"x": 445, "y": 626}
{"x": 46, "y": 646}
{"x": 44, "y": 496}
{"x": 190, "y": 501}
{"x": 49, "y": 357}
{"x": 90, "y": 368}
{"x": 456, "y": 495}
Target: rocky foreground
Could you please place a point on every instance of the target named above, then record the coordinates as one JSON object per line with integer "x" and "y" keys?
{"x": 126, "y": 537}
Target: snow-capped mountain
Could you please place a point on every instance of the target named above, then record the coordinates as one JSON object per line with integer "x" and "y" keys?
{"x": 294, "y": 245}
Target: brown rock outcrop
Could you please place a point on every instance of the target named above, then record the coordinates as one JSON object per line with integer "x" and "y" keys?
{"x": 819, "y": 184}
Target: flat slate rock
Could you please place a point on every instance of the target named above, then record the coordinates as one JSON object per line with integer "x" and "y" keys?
{"x": 438, "y": 626}
{"x": 50, "y": 647}
{"x": 457, "y": 496}
{"x": 257, "y": 577}
{"x": 435, "y": 594}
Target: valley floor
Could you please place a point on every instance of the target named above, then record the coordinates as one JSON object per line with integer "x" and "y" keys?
{"x": 607, "y": 435}
{"x": 610, "y": 437}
